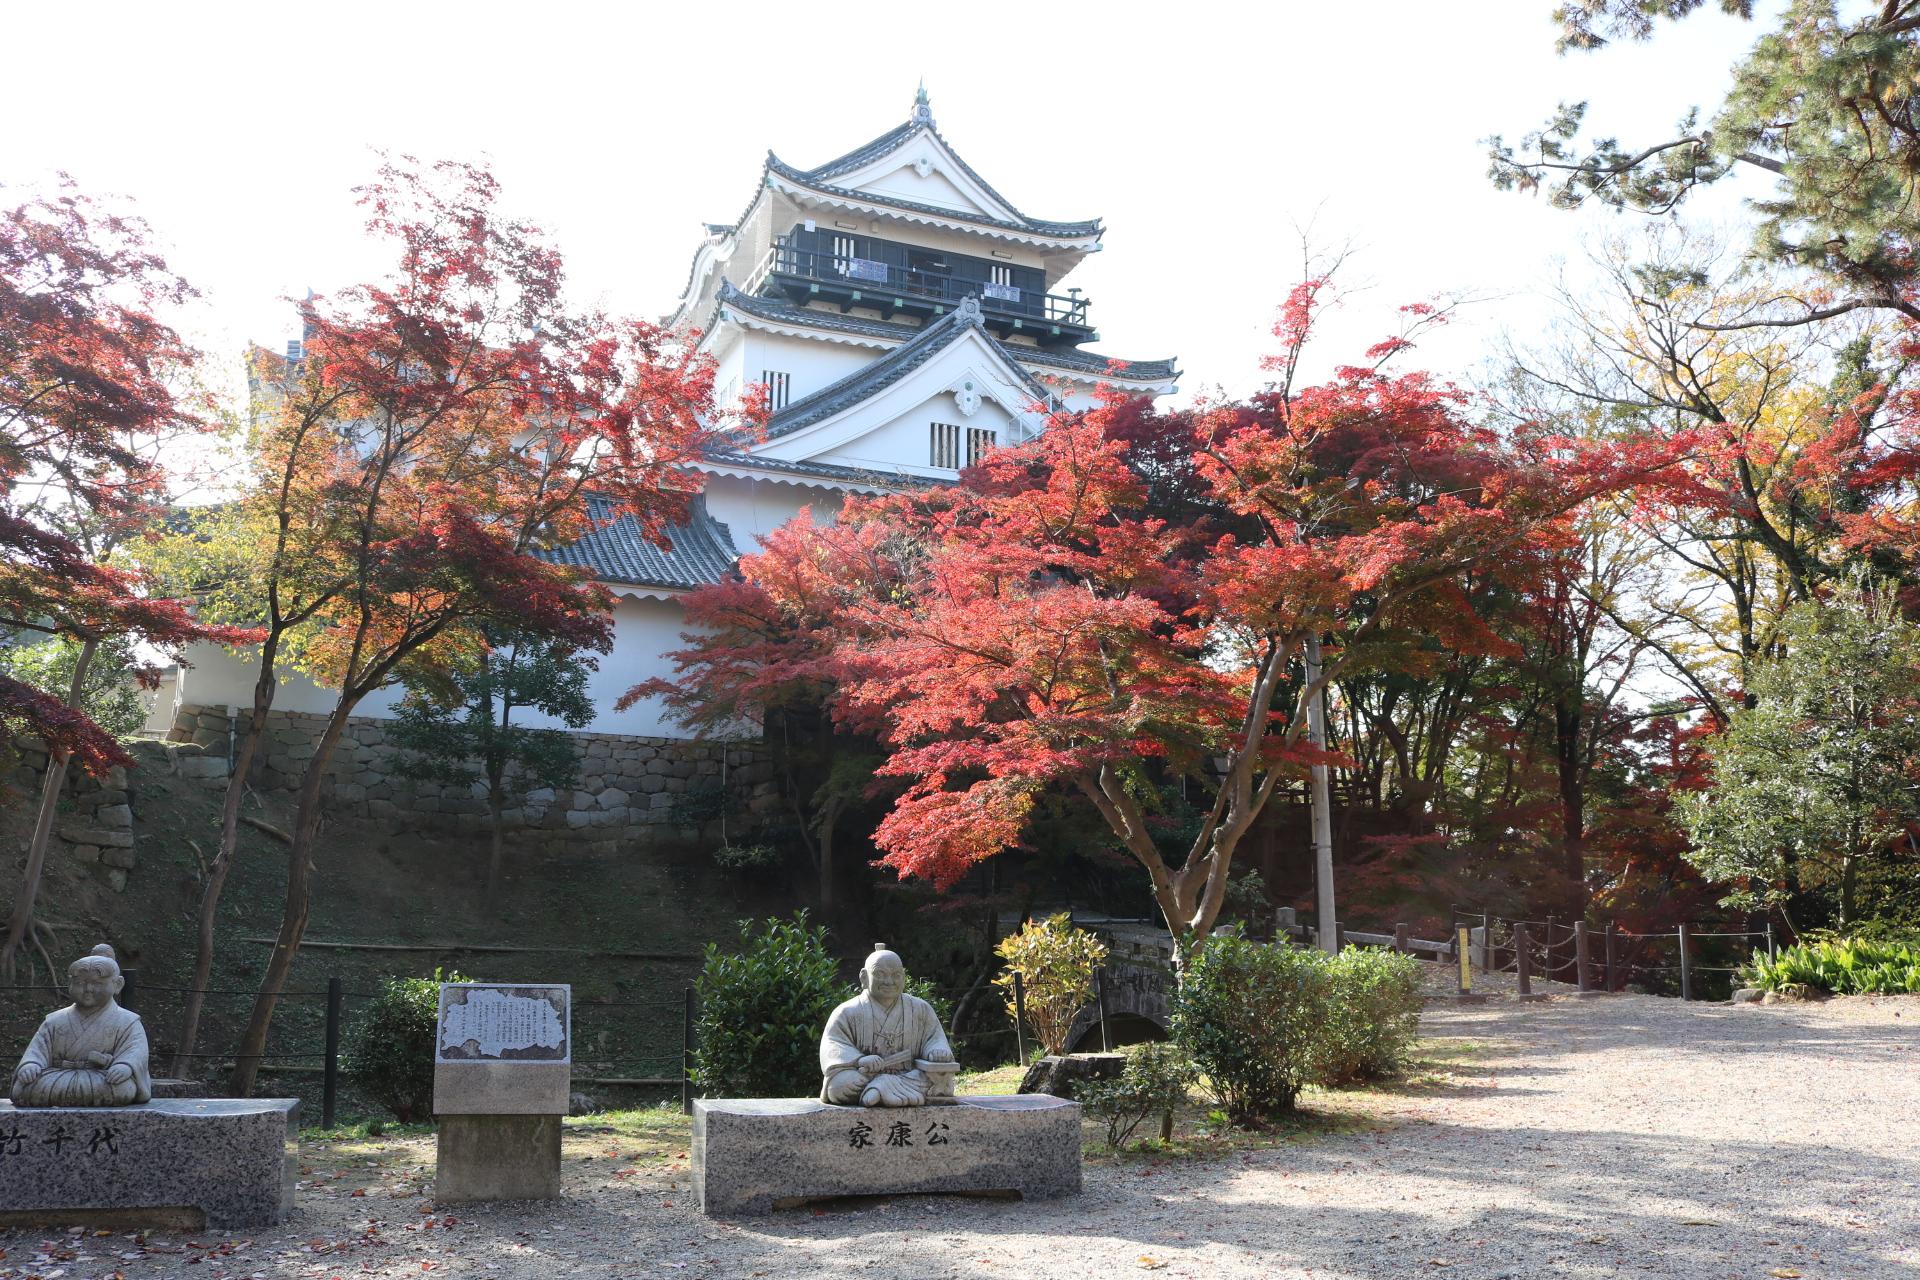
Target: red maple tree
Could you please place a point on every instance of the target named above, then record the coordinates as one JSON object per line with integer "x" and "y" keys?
{"x": 1092, "y": 610}
{"x": 455, "y": 417}
{"x": 89, "y": 373}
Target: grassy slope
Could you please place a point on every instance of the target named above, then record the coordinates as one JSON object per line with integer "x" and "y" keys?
{"x": 373, "y": 886}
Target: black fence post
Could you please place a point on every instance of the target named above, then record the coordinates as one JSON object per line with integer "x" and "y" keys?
{"x": 1773, "y": 952}
{"x": 1400, "y": 936}
{"x": 330, "y": 1081}
{"x": 1523, "y": 958}
{"x": 1582, "y": 956}
{"x": 1613, "y": 982}
{"x": 1019, "y": 1018}
{"x": 1339, "y": 936}
{"x": 1686, "y": 967}
{"x": 1100, "y": 996}
{"x": 686, "y": 1053}
{"x": 129, "y": 983}
{"x": 1546, "y": 963}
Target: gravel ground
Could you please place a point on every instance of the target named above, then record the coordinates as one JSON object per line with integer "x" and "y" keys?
{"x": 1617, "y": 1136}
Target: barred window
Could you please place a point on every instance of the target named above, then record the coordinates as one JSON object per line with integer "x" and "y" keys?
{"x": 944, "y": 450}
{"x": 979, "y": 440}
{"x": 779, "y": 386}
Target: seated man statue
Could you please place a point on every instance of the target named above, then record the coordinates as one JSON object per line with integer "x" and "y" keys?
{"x": 872, "y": 1043}
{"x": 92, "y": 1053}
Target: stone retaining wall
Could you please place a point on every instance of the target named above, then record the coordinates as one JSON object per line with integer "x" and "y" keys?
{"x": 629, "y": 789}
{"x": 94, "y": 826}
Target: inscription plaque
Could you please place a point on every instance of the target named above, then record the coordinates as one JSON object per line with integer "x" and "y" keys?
{"x": 504, "y": 1022}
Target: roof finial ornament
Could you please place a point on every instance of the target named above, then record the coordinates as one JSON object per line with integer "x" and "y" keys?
{"x": 969, "y": 309}
{"x": 922, "y": 109}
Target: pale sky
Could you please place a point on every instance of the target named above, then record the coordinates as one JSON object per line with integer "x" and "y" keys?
{"x": 1204, "y": 134}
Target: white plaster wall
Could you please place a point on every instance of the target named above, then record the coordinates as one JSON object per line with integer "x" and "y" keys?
{"x": 645, "y": 631}
{"x": 903, "y": 443}
{"x": 751, "y": 509}
{"x": 812, "y": 362}
{"x": 905, "y": 183}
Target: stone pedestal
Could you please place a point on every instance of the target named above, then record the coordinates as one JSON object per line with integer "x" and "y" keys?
{"x": 753, "y": 1155}
{"x": 497, "y": 1157}
{"x": 218, "y": 1162}
{"x": 1061, "y": 1075}
{"x": 502, "y": 1076}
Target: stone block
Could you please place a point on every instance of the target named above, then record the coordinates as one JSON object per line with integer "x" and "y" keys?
{"x": 612, "y": 798}
{"x": 752, "y": 1155}
{"x": 122, "y": 858}
{"x": 217, "y": 1162}
{"x": 114, "y": 815}
{"x": 652, "y": 784}
{"x": 97, "y": 836}
{"x": 117, "y": 880}
{"x": 201, "y": 766}
{"x": 209, "y": 737}
{"x": 497, "y": 1157}
{"x": 109, "y": 796}
{"x": 1060, "y": 1075}
{"x": 577, "y": 818}
{"x": 501, "y": 1088}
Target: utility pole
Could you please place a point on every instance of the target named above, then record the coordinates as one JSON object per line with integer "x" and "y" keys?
{"x": 1320, "y": 804}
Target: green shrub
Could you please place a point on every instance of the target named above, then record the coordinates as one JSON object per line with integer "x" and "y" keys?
{"x": 1056, "y": 963}
{"x": 762, "y": 1011}
{"x": 1843, "y": 966}
{"x": 1153, "y": 1083}
{"x": 390, "y": 1047}
{"x": 1373, "y": 1015}
{"x": 1249, "y": 1015}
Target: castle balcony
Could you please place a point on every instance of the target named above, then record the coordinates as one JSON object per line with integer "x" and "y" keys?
{"x": 927, "y": 287}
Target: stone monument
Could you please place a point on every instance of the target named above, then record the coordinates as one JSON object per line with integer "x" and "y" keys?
{"x": 884, "y": 1049}
{"x": 502, "y": 1078}
{"x": 81, "y": 1140}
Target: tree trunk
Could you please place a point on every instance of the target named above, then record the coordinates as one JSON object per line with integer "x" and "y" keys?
{"x": 299, "y": 900}
{"x": 496, "y": 826}
{"x": 1568, "y": 731}
{"x": 829, "y": 814}
{"x": 248, "y": 747}
{"x": 1849, "y": 886}
{"x": 50, "y": 788}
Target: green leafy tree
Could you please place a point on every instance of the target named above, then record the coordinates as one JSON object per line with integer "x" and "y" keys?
{"x": 109, "y": 691}
{"x": 1813, "y": 784}
{"x": 1056, "y": 964}
{"x": 458, "y": 726}
{"x": 762, "y": 1010}
{"x": 1824, "y": 103}
{"x": 390, "y": 1048}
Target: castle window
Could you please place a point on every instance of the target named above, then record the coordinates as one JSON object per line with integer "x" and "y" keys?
{"x": 944, "y": 450}
{"x": 779, "y": 388}
{"x": 979, "y": 440}
{"x": 845, "y": 250}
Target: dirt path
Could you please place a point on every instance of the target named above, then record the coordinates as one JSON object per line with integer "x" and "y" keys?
{"x": 1621, "y": 1136}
